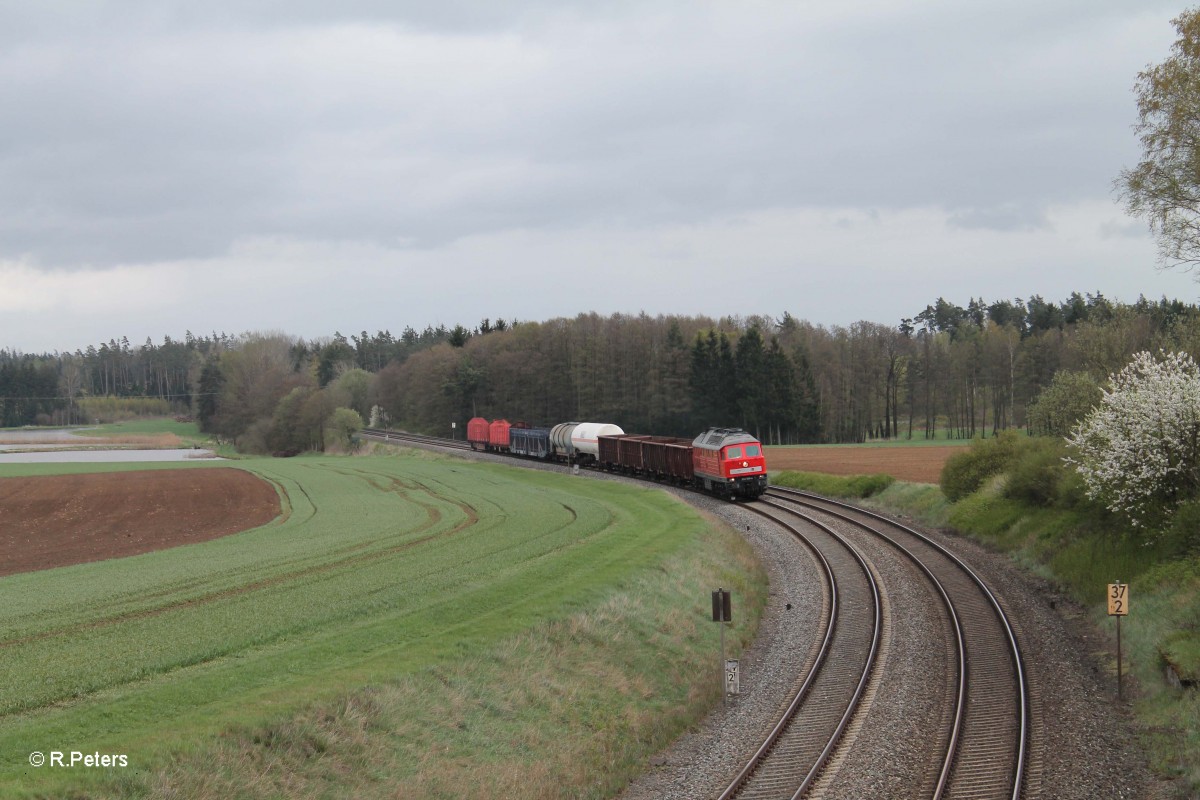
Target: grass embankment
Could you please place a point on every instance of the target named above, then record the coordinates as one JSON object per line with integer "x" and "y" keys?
{"x": 1082, "y": 553}
{"x": 417, "y": 626}
{"x": 154, "y": 426}
{"x": 163, "y": 432}
{"x": 853, "y": 486}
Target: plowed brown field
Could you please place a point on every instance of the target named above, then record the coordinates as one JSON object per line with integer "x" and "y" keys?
{"x": 918, "y": 464}
{"x": 57, "y": 520}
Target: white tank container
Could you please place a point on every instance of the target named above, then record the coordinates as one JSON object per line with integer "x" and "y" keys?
{"x": 583, "y": 438}
{"x": 560, "y": 437}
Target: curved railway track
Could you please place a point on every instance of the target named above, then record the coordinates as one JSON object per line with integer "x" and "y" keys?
{"x": 400, "y": 437}
{"x": 982, "y": 750}
{"x": 788, "y": 762}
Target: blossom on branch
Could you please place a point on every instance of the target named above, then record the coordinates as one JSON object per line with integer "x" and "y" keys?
{"x": 1138, "y": 451}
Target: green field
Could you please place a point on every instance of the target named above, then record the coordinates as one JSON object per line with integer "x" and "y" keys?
{"x": 188, "y": 431}
{"x": 461, "y": 629}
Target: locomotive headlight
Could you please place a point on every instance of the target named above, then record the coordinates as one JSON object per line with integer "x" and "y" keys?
{"x": 745, "y": 463}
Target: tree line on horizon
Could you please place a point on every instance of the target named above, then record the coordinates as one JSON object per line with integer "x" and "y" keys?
{"x": 948, "y": 371}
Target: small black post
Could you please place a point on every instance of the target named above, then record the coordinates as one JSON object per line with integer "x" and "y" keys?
{"x": 722, "y": 612}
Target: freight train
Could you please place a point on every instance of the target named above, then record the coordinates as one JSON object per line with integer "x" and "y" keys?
{"x": 724, "y": 461}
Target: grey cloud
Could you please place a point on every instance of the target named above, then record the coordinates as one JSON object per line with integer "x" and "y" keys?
{"x": 1123, "y": 229}
{"x": 141, "y": 131}
{"x": 1006, "y": 217}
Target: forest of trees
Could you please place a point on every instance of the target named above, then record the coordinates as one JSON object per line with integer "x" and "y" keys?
{"x": 947, "y": 371}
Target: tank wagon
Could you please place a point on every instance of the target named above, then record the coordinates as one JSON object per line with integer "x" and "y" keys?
{"x": 585, "y": 439}
{"x": 560, "y": 439}
{"x": 728, "y": 462}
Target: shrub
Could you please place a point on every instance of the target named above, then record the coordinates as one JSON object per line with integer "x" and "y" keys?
{"x": 1072, "y": 491}
{"x": 121, "y": 409}
{"x": 340, "y": 429}
{"x": 965, "y": 472}
{"x": 853, "y": 486}
{"x": 254, "y": 440}
{"x": 1139, "y": 450}
{"x": 1180, "y": 651}
{"x": 1182, "y": 536}
{"x": 1036, "y": 472}
{"x": 1060, "y": 406}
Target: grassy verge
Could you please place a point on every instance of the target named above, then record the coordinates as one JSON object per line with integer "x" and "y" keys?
{"x": 456, "y": 629}
{"x": 855, "y": 486}
{"x": 163, "y": 430}
{"x": 1082, "y": 553}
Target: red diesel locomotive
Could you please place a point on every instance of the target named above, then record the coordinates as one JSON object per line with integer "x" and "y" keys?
{"x": 729, "y": 461}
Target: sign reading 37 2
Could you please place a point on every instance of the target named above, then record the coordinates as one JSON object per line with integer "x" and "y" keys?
{"x": 1118, "y": 599}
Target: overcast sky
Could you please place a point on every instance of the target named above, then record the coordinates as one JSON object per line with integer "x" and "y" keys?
{"x": 282, "y": 165}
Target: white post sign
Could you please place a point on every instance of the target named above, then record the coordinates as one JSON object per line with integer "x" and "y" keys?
{"x": 733, "y": 677}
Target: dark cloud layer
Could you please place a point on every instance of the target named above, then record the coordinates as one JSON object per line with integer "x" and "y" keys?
{"x": 138, "y": 132}
{"x": 821, "y": 145}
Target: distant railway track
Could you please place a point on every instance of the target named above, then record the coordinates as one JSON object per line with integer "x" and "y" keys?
{"x": 401, "y": 437}
{"x": 981, "y": 751}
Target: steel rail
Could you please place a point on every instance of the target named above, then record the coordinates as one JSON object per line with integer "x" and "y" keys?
{"x": 806, "y": 685}
{"x": 399, "y": 437}
{"x": 960, "y": 648}
{"x": 1012, "y": 646}
{"x": 760, "y": 760}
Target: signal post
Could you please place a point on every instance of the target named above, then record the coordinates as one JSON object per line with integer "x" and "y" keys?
{"x": 722, "y": 613}
{"x": 1118, "y": 606}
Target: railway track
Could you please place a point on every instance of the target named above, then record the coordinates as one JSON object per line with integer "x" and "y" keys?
{"x": 400, "y": 437}
{"x": 789, "y": 760}
{"x": 982, "y": 753}
{"x": 980, "y": 748}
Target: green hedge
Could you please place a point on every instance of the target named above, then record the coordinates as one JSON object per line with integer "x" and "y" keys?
{"x": 853, "y": 486}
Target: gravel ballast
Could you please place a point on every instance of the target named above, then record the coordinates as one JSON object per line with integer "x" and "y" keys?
{"x": 1083, "y": 744}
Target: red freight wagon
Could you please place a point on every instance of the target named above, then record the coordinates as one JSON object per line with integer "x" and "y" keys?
{"x": 629, "y": 453}
{"x": 668, "y": 457}
{"x": 478, "y": 433}
{"x": 606, "y": 447}
{"x": 610, "y": 449}
{"x": 498, "y": 434}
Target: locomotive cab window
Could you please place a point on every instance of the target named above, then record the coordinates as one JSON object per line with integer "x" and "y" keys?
{"x": 733, "y": 452}
{"x": 753, "y": 450}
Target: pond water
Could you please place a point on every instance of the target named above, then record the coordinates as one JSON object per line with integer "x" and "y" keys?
{"x": 42, "y": 435}
{"x": 104, "y": 456}
{"x": 53, "y": 445}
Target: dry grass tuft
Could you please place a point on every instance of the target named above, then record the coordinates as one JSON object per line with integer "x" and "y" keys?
{"x": 148, "y": 441}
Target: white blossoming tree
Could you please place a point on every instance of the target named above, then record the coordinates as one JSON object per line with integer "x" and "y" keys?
{"x": 1138, "y": 451}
